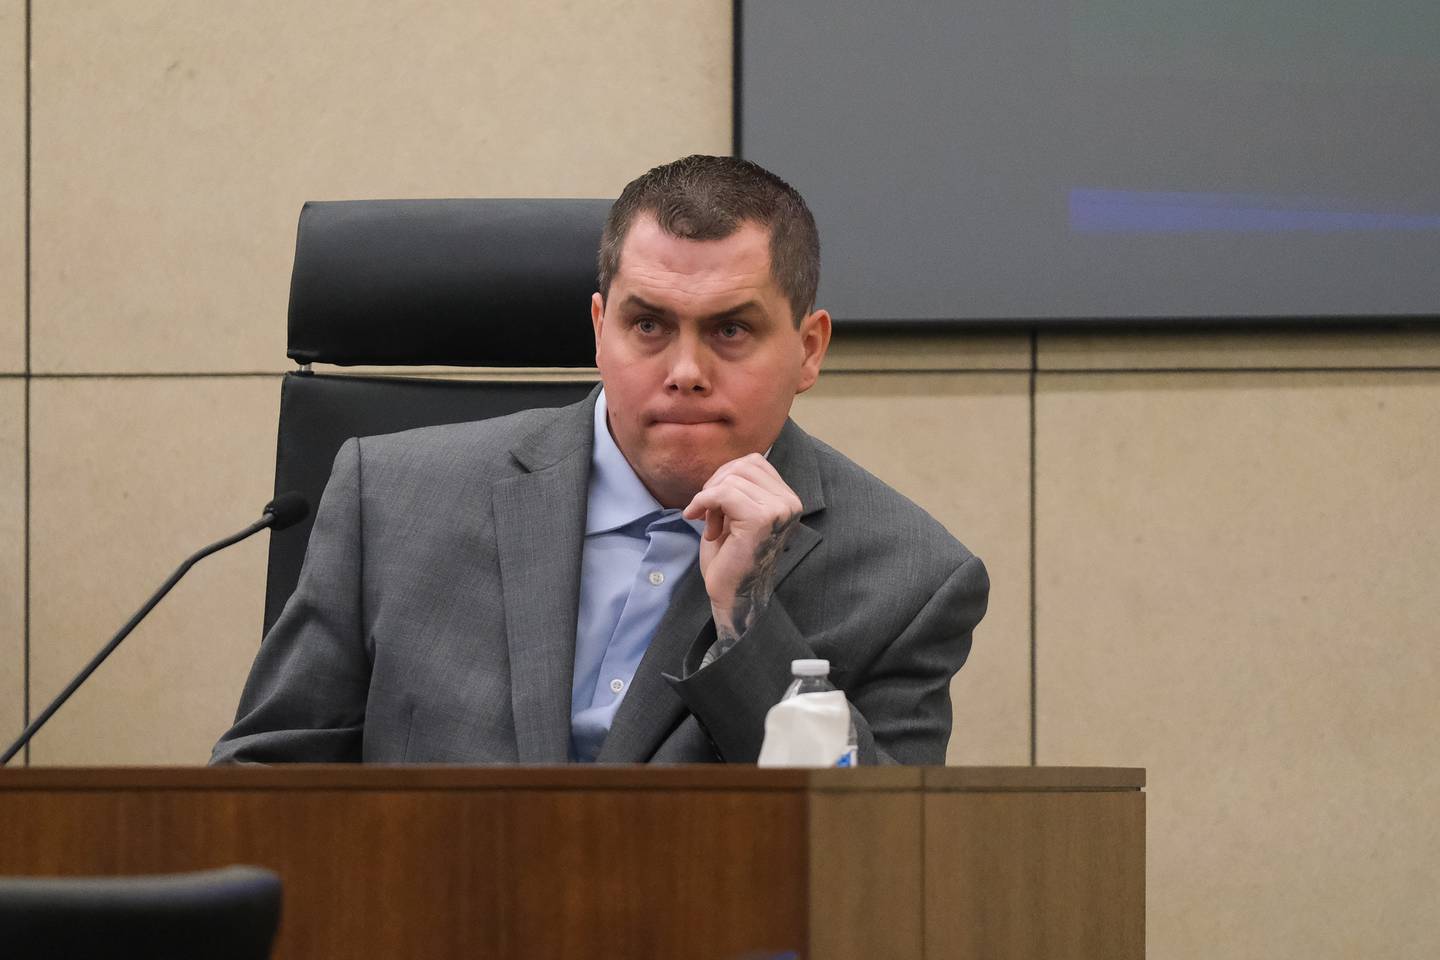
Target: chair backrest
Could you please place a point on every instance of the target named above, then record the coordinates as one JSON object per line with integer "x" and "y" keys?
{"x": 227, "y": 914}
{"x": 457, "y": 283}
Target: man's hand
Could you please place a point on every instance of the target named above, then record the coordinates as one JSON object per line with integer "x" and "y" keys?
{"x": 749, "y": 512}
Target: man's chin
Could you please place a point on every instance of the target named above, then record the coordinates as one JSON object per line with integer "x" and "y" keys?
{"x": 675, "y": 480}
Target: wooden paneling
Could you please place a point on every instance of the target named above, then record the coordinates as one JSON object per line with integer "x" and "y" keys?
{"x": 510, "y": 873}
{"x": 695, "y": 862}
{"x": 1055, "y": 875}
{"x": 866, "y": 878}
{"x": 993, "y": 779}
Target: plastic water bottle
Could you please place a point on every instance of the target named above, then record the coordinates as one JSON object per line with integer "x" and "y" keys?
{"x": 813, "y": 676}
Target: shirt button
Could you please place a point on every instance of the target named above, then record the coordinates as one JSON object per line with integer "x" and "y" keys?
{"x": 617, "y": 685}
{"x": 656, "y": 578}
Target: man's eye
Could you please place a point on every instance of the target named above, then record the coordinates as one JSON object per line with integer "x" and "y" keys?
{"x": 730, "y": 331}
{"x": 646, "y": 325}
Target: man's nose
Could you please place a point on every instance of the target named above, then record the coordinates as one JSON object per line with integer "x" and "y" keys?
{"x": 687, "y": 372}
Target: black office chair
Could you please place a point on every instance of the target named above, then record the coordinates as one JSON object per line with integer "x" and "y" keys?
{"x": 228, "y": 914}
{"x": 469, "y": 283}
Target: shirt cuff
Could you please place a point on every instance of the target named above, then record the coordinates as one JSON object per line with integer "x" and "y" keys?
{"x": 731, "y": 695}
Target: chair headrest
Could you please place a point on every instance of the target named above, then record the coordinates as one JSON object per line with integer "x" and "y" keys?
{"x": 494, "y": 283}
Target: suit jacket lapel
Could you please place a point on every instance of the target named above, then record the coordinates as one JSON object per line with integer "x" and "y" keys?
{"x": 651, "y": 709}
{"x": 539, "y": 533}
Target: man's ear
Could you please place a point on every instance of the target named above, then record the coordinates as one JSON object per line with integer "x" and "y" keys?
{"x": 597, "y": 320}
{"x": 814, "y": 341}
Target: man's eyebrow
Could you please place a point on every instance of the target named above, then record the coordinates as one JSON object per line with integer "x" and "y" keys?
{"x": 635, "y": 302}
{"x": 736, "y": 311}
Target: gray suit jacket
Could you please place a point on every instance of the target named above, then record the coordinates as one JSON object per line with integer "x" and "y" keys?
{"x": 434, "y": 619}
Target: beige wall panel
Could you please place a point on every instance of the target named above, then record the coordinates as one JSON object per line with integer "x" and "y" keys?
{"x": 12, "y": 559}
{"x": 854, "y": 350}
{"x": 175, "y": 142}
{"x": 1312, "y": 349}
{"x": 958, "y": 445}
{"x": 1237, "y": 590}
{"x": 129, "y": 477}
{"x": 12, "y": 186}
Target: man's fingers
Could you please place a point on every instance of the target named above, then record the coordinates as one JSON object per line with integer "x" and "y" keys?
{"x": 752, "y": 465}
{"x": 767, "y": 489}
{"x": 714, "y": 524}
{"x": 728, "y": 468}
{"x": 741, "y": 501}
{"x": 739, "y": 498}
{"x": 747, "y": 490}
{"x": 759, "y": 472}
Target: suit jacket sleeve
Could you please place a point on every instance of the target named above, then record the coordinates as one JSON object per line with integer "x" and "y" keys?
{"x": 900, "y": 701}
{"x": 306, "y": 694}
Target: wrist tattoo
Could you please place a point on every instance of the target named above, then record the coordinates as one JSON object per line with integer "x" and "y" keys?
{"x": 725, "y": 638}
{"x": 754, "y": 590}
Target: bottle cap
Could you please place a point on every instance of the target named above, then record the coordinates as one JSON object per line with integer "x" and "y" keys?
{"x": 810, "y": 668}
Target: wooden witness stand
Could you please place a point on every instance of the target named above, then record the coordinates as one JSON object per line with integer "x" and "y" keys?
{"x": 633, "y": 862}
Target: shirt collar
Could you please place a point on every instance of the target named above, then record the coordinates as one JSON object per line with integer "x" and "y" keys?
{"x": 616, "y": 495}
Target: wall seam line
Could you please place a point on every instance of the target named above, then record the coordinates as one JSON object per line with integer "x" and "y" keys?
{"x": 26, "y": 404}
{"x": 1174, "y": 371}
{"x": 844, "y": 371}
{"x": 829, "y": 372}
{"x": 1034, "y": 588}
{"x": 238, "y": 375}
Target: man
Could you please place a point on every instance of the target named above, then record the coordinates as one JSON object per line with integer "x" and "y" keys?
{"x": 626, "y": 579}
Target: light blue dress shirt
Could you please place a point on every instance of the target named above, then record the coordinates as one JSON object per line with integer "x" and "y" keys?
{"x": 634, "y": 554}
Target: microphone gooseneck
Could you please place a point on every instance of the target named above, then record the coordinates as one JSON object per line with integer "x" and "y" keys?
{"x": 285, "y": 510}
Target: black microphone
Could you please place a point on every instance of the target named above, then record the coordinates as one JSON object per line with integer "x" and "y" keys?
{"x": 284, "y": 511}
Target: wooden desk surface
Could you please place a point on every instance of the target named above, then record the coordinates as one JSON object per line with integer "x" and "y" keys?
{"x": 696, "y": 862}
{"x": 568, "y": 777}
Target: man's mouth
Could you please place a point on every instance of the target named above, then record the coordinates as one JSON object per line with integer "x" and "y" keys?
{"x": 686, "y": 419}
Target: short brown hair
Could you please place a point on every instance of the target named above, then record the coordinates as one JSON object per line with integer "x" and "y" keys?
{"x": 708, "y": 198}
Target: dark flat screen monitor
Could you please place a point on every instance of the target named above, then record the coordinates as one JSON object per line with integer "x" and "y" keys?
{"x": 1098, "y": 161}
